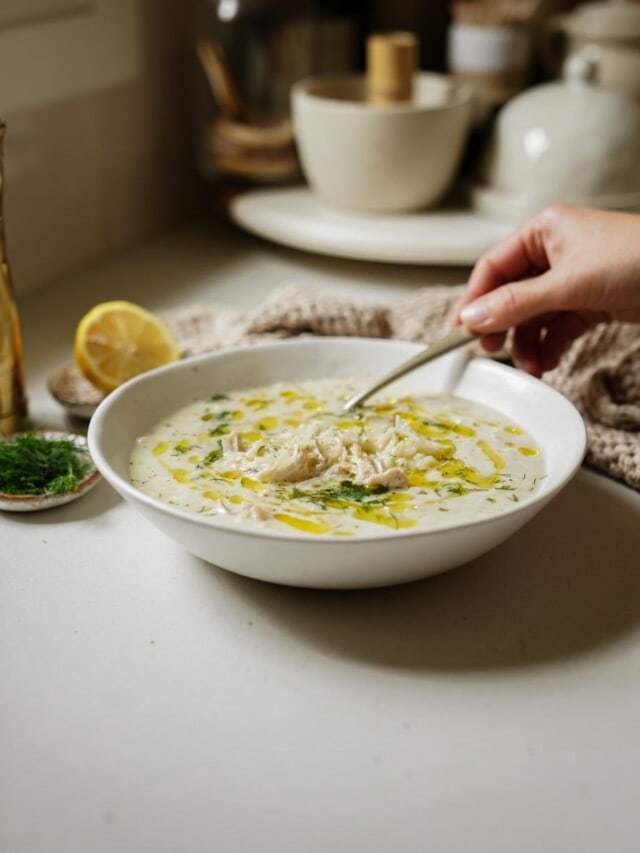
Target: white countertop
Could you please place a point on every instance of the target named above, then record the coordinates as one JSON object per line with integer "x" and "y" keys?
{"x": 152, "y": 702}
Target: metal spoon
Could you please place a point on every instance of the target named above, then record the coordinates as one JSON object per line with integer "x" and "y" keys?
{"x": 454, "y": 339}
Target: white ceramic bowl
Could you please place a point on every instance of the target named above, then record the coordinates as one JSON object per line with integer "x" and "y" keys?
{"x": 296, "y": 558}
{"x": 390, "y": 158}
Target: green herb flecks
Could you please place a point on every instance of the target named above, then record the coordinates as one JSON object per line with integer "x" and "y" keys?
{"x": 341, "y": 495}
{"x": 435, "y": 424}
{"x": 217, "y": 416}
{"x": 215, "y": 455}
{"x": 182, "y": 447}
{"x": 36, "y": 465}
{"x": 221, "y": 430}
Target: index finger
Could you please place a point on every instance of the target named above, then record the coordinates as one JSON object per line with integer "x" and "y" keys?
{"x": 510, "y": 260}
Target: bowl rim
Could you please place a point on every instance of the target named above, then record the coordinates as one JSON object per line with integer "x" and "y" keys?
{"x": 129, "y": 491}
{"x": 460, "y": 94}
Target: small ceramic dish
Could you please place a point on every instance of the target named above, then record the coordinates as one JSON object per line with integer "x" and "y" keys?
{"x": 295, "y": 558}
{"x": 30, "y": 503}
{"x": 75, "y": 394}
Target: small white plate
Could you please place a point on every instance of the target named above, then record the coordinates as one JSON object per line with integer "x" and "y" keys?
{"x": 30, "y": 503}
{"x": 296, "y": 217}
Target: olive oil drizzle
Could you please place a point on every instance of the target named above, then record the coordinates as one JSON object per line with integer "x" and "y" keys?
{"x": 307, "y": 506}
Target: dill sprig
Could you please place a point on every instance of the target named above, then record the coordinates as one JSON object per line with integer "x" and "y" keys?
{"x": 31, "y": 464}
{"x": 215, "y": 455}
{"x": 341, "y": 494}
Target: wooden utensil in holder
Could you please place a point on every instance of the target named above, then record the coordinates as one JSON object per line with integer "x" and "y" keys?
{"x": 391, "y": 65}
{"x": 235, "y": 145}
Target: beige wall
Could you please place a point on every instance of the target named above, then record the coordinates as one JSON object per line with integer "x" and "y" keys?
{"x": 98, "y": 151}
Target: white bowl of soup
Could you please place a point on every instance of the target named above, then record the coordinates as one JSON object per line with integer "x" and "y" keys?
{"x": 247, "y": 459}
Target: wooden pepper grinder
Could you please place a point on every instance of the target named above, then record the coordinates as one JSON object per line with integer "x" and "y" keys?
{"x": 13, "y": 406}
{"x": 391, "y": 65}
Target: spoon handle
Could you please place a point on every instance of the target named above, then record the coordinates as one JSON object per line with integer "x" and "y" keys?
{"x": 454, "y": 339}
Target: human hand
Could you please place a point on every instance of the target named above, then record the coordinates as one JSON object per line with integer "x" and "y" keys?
{"x": 562, "y": 272}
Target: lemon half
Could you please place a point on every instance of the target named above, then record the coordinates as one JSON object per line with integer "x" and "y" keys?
{"x": 117, "y": 340}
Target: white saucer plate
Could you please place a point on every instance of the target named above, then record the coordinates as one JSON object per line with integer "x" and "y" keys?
{"x": 296, "y": 217}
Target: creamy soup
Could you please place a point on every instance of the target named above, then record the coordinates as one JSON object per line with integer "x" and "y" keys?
{"x": 287, "y": 457}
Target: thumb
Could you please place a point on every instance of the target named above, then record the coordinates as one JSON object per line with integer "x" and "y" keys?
{"x": 512, "y": 304}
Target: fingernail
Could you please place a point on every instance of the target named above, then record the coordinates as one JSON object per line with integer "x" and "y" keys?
{"x": 475, "y": 314}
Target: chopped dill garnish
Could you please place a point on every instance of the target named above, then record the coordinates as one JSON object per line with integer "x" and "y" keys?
{"x": 345, "y": 492}
{"x": 453, "y": 489}
{"x": 218, "y": 416}
{"x": 214, "y": 398}
{"x": 31, "y": 464}
{"x": 215, "y": 455}
{"x": 182, "y": 447}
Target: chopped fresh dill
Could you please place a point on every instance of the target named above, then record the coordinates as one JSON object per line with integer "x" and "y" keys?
{"x": 344, "y": 492}
{"x": 64, "y": 483}
{"x": 215, "y": 398}
{"x": 182, "y": 447}
{"x": 32, "y": 464}
{"x": 215, "y": 455}
{"x": 453, "y": 489}
{"x": 218, "y": 416}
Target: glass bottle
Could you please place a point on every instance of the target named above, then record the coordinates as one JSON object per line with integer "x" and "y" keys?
{"x": 250, "y": 52}
{"x": 13, "y": 406}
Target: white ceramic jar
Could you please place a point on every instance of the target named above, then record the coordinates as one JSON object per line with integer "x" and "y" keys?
{"x": 609, "y": 30}
{"x": 570, "y": 140}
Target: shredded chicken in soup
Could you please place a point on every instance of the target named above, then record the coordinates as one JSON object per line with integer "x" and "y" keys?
{"x": 287, "y": 457}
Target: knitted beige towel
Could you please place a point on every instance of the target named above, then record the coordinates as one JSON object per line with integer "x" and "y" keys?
{"x": 600, "y": 373}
